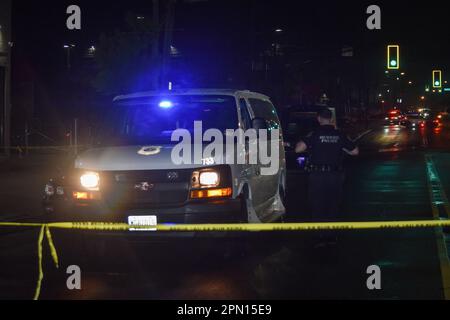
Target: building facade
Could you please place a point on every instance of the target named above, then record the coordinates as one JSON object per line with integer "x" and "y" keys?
{"x": 5, "y": 75}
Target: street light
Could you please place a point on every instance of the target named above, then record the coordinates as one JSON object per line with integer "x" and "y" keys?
{"x": 68, "y": 49}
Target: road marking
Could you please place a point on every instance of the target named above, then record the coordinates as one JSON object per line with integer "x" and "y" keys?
{"x": 394, "y": 149}
{"x": 439, "y": 201}
{"x": 425, "y": 141}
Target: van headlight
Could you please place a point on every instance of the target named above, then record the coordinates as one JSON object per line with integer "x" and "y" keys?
{"x": 205, "y": 179}
{"x": 90, "y": 180}
{"x": 209, "y": 184}
{"x": 209, "y": 179}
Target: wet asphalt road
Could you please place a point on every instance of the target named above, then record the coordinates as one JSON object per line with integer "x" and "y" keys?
{"x": 389, "y": 181}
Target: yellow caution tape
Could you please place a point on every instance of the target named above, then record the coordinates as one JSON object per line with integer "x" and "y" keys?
{"x": 248, "y": 227}
{"x": 44, "y": 229}
{"x": 101, "y": 226}
{"x": 40, "y": 269}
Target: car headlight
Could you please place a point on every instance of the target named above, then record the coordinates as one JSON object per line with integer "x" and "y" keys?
{"x": 90, "y": 180}
{"x": 209, "y": 179}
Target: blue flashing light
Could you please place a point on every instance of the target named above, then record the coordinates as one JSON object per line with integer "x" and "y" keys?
{"x": 166, "y": 104}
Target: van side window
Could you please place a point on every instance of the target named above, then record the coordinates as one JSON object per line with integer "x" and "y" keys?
{"x": 245, "y": 115}
{"x": 266, "y": 110}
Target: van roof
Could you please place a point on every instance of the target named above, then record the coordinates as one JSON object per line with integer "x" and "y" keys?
{"x": 227, "y": 92}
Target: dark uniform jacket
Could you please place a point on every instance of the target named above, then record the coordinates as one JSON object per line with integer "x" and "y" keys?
{"x": 326, "y": 145}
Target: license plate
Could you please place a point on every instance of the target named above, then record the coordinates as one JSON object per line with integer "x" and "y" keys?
{"x": 142, "y": 222}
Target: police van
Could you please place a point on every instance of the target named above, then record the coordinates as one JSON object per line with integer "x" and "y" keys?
{"x": 129, "y": 174}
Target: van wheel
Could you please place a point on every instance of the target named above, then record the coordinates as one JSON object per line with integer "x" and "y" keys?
{"x": 48, "y": 213}
{"x": 281, "y": 206}
{"x": 282, "y": 194}
{"x": 248, "y": 212}
{"x": 243, "y": 218}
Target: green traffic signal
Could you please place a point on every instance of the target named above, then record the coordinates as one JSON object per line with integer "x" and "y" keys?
{"x": 437, "y": 79}
{"x": 393, "y": 57}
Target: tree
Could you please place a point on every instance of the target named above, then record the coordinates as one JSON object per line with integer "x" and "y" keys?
{"x": 126, "y": 60}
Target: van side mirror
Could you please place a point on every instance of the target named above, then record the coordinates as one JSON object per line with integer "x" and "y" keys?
{"x": 259, "y": 124}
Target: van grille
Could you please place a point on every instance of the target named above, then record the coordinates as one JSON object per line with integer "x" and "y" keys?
{"x": 138, "y": 189}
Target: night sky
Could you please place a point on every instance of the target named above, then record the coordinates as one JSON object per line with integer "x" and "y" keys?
{"x": 206, "y": 29}
{"x": 218, "y": 39}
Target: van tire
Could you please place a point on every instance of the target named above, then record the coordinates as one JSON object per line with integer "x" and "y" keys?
{"x": 283, "y": 199}
{"x": 243, "y": 217}
{"x": 247, "y": 209}
{"x": 282, "y": 193}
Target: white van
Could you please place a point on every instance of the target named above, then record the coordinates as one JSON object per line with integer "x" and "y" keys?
{"x": 130, "y": 175}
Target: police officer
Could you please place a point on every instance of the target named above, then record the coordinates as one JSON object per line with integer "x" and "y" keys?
{"x": 326, "y": 146}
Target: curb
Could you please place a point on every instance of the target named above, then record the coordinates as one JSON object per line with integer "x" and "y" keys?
{"x": 362, "y": 135}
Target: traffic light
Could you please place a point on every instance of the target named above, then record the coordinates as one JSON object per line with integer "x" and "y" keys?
{"x": 393, "y": 57}
{"x": 437, "y": 79}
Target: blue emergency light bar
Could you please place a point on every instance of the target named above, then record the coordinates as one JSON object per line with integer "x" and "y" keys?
{"x": 166, "y": 104}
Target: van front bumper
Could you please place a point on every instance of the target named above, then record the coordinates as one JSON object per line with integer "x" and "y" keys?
{"x": 193, "y": 212}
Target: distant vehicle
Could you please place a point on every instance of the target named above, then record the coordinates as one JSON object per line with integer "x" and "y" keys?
{"x": 395, "y": 118}
{"x": 441, "y": 119}
{"x": 129, "y": 176}
{"x": 299, "y": 123}
{"x": 425, "y": 113}
{"x": 414, "y": 119}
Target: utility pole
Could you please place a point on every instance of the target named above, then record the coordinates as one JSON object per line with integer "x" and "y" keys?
{"x": 5, "y": 76}
{"x": 68, "y": 49}
{"x": 155, "y": 45}
{"x": 75, "y": 136}
{"x": 168, "y": 36}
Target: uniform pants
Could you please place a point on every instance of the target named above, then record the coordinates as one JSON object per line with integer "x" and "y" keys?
{"x": 325, "y": 195}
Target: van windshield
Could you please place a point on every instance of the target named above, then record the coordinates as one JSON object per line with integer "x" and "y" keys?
{"x": 153, "y": 120}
